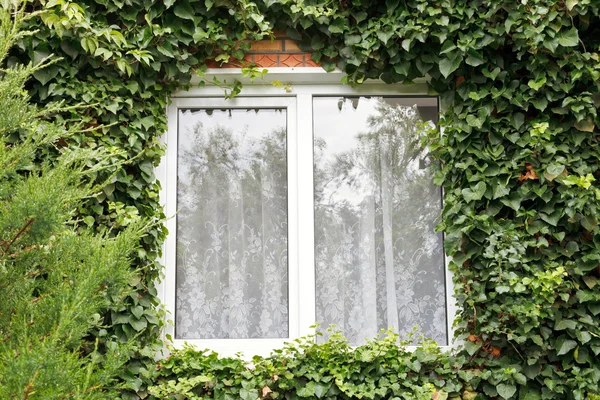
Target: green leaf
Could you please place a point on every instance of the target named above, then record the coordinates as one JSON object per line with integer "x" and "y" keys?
{"x": 565, "y": 324}
{"x": 138, "y": 311}
{"x": 589, "y": 222}
{"x": 473, "y": 60}
{"x": 517, "y": 120}
{"x": 571, "y": 4}
{"x": 502, "y": 289}
{"x": 384, "y": 36}
{"x": 472, "y": 347}
{"x": 553, "y": 170}
{"x": 321, "y": 389}
{"x": 248, "y": 394}
{"x": 449, "y": 65}
{"x": 475, "y": 193}
{"x": 513, "y": 201}
{"x": 138, "y": 324}
{"x": 306, "y": 391}
{"x": 447, "y": 47}
{"x": 506, "y": 391}
{"x": 540, "y": 103}
{"x": 530, "y": 395}
{"x": 168, "y": 3}
{"x": 184, "y": 10}
{"x": 566, "y": 346}
{"x": 585, "y": 125}
{"x": 537, "y": 84}
{"x": 391, "y": 5}
{"x": 553, "y": 218}
{"x": 568, "y": 38}
{"x": 590, "y": 281}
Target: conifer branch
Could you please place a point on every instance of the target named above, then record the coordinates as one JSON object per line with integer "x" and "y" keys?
{"x": 14, "y": 239}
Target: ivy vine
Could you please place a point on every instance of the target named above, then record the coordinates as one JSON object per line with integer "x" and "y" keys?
{"x": 520, "y": 86}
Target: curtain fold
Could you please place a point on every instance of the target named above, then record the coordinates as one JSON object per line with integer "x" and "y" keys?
{"x": 232, "y": 225}
{"x": 379, "y": 262}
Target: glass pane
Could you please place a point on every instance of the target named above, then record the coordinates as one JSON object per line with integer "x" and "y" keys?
{"x": 379, "y": 262}
{"x": 232, "y": 270}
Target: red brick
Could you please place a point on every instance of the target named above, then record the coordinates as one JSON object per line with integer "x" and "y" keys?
{"x": 292, "y": 47}
{"x": 291, "y": 60}
{"x": 266, "y": 46}
{"x": 266, "y": 60}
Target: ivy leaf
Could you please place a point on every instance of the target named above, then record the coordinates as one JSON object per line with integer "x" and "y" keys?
{"x": 138, "y": 311}
{"x": 321, "y": 389}
{"x": 44, "y": 75}
{"x": 506, "y": 391}
{"x": 475, "y": 193}
{"x": 571, "y": 3}
{"x": 585, "y": 125}
{"x": 307, "y": 391}
{"x": 490, "y": 390}
{"x": 589, "y": 222}
{"x": 502, "y": 289}
{"x": 513, "y": 201}
{"x": 565, "y": 346}
{"x": 248, "y": 394}
{"x": 517, "y": 120}
{"x": 360, "y": 16}
{"x": 391, "y": 5}
{"x": 537, "y": 83}
{"x": 138, "y": 324}
{"x": 384, "y": 36}
{"x": 474, "y": 58}
{"x": 530, "y": 395}
{"x": 184, "y": 10}
{"x": 540, "y": 103}
{"x": 590, "y": 281}
{"x": 449, "y": 65}
{"x": 168, "y": 3}
{"x": 569, "y": 38}
{"x": 472, "y": 347}
{"x": 553, "y": 218}
{"x": 447, "y": 47}
{"x": 565, "y": 324}
{"x": 553, "y": 171}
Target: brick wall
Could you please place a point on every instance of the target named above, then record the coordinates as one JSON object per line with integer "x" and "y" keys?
{"x": 280, "y": 52}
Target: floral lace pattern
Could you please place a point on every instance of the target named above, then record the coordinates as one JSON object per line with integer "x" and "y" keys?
{"x": 379, "y": 262}
{"x": 232, "y": 225}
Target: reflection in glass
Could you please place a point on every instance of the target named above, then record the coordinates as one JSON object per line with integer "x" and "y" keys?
{"x": 232, "y": 224}
{"x": 379, "y": 263}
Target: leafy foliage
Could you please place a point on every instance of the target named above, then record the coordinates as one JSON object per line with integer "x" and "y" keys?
{"x": 519, "y": 82}
{"x": 304, "y": 369}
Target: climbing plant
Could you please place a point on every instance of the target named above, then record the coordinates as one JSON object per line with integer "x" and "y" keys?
{"x": 519, "y": 83}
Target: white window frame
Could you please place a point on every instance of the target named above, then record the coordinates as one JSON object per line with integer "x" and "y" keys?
{"x": 301, "y": 84}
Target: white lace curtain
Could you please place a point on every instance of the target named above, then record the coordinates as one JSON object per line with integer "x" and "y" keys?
{"x": 232, "y": 225}
{"x": 379, "y": 262}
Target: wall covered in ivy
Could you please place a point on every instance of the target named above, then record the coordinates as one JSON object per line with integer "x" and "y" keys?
{"x": 520, "y": 81}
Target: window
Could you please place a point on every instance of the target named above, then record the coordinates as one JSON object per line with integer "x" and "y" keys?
{"x": 313, "y": 206}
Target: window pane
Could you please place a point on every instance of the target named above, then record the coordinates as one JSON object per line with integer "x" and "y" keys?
{"x": 232, "y": 272}
{"x": 379, "y": 262}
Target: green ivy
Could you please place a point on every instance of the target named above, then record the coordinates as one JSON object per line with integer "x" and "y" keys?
{"x": 519, "y": 83}
{"x": 380, "y": 369}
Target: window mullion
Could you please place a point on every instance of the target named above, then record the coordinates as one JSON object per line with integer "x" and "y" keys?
{"x": 306, "y": 259}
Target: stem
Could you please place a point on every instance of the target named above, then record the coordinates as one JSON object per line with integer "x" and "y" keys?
{"x": 14, "y": 239}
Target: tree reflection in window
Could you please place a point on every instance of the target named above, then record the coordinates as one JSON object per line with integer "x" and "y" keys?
{"x": 379, "y": 263}
{"x": 232, "y": 225}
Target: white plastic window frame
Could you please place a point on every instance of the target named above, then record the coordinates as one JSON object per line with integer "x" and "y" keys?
{"x": 300, "y": 86}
